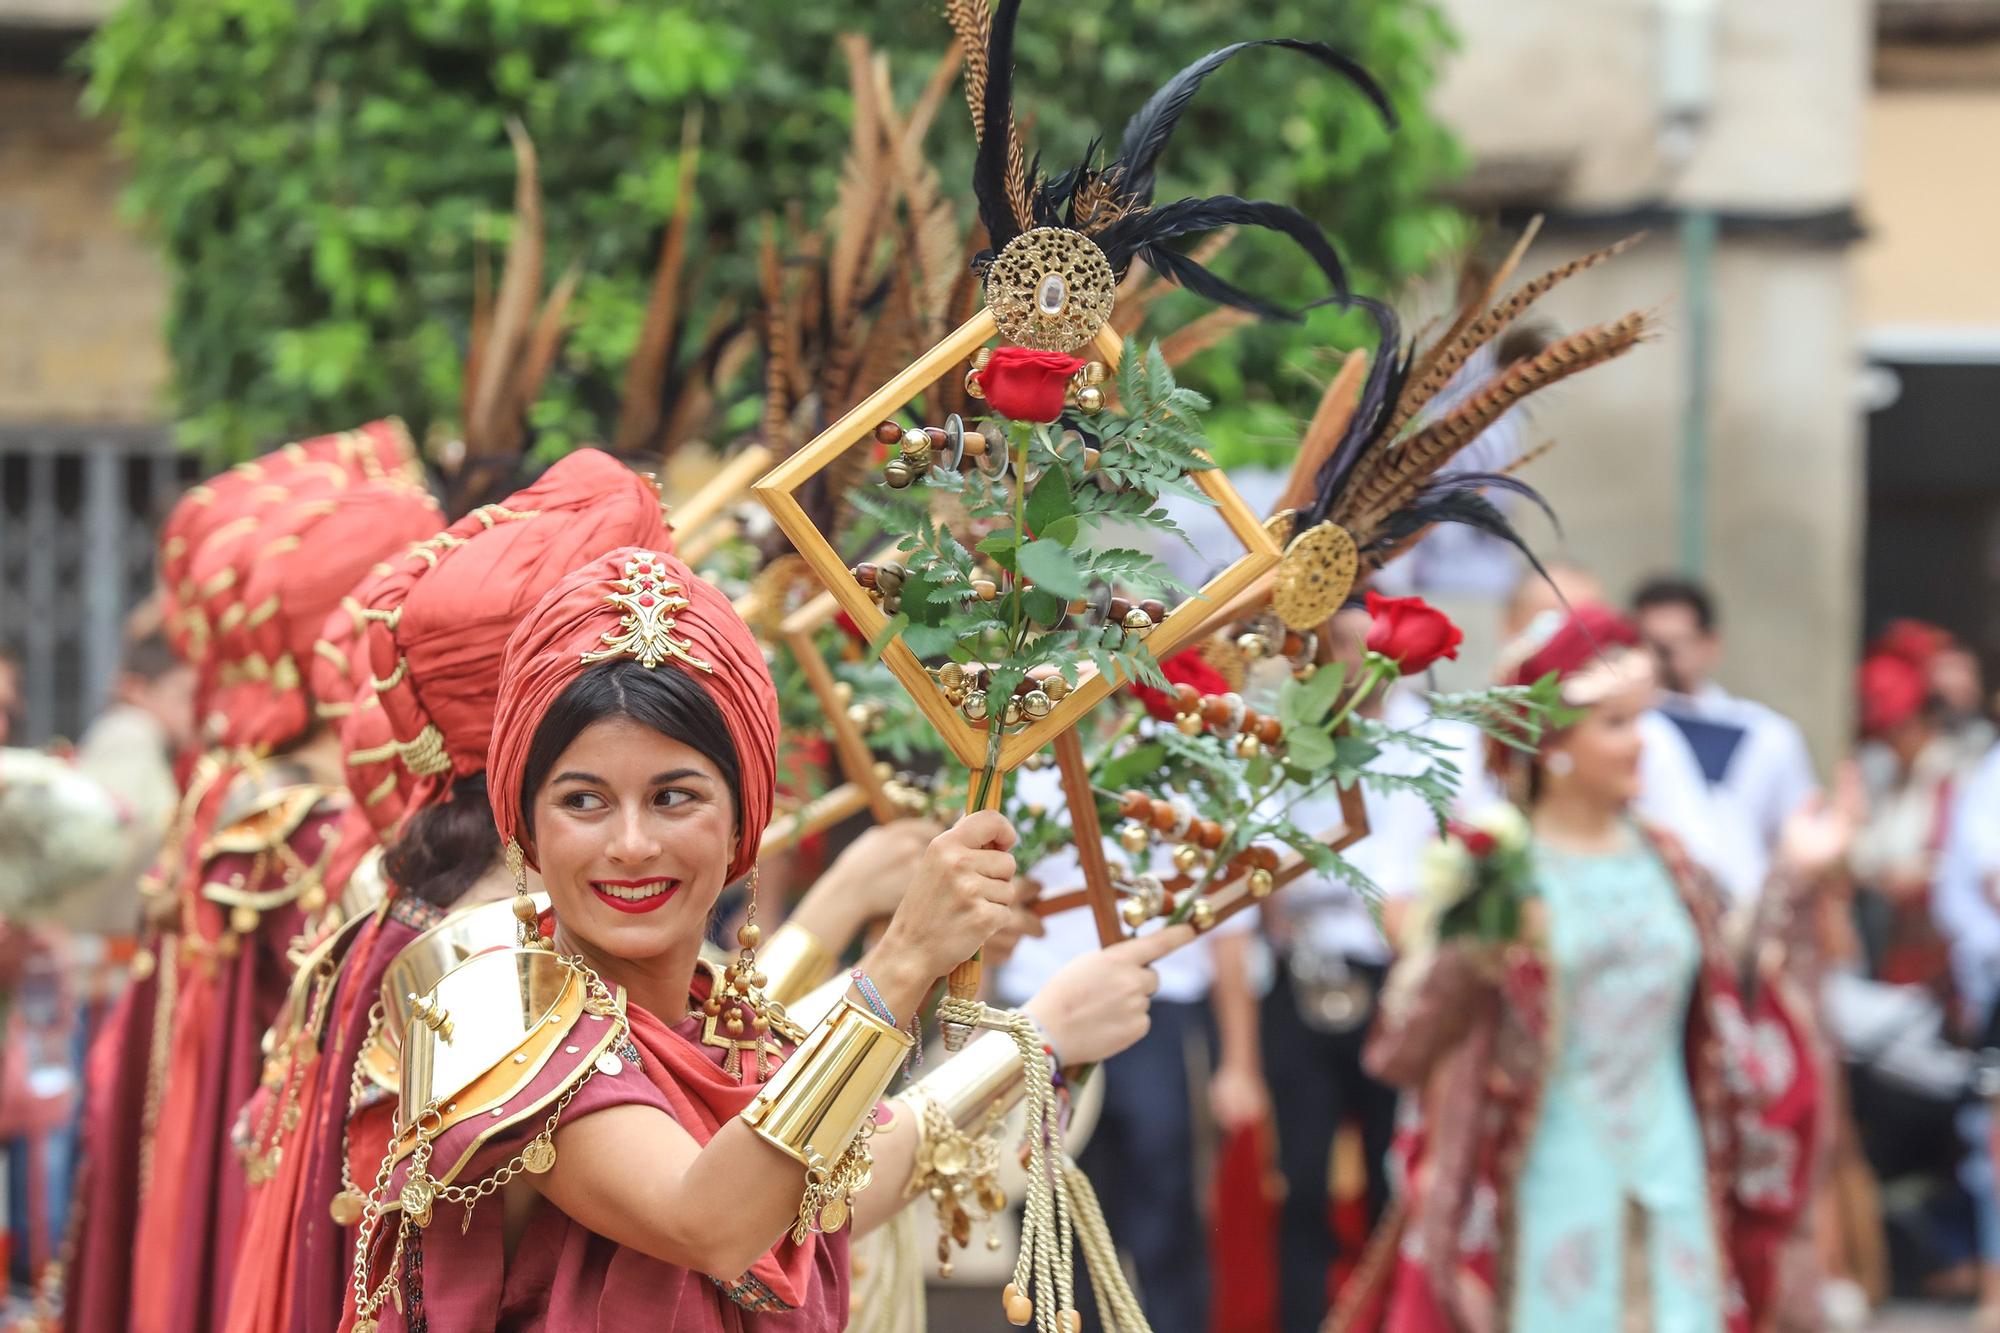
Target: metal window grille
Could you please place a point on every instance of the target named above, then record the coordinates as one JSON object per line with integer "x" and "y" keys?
{"x": 79, "y": 508}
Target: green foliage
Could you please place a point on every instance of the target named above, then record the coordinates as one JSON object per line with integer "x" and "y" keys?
{"x": 322, "y": 177}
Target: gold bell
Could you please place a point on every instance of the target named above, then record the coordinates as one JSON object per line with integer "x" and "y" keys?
{"x": 1248, "y": 746}
{"x": 1036, "y": 703}
{"x": 243, "y": 920}
{"x": 1261, "y": 882}
{"x": 1203, "y": 915}
{"x": 1090, "y": 399}
{"x": 1133, "y": 837}
{"x": 1190, "y": 724}
{"x": 1186, "y": 857}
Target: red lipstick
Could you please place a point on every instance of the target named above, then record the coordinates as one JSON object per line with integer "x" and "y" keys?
{"x": 635, "y": 895}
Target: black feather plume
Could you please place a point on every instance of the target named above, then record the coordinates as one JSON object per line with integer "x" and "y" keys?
{"x": 1146, "y": 134}
{"x": 1364, "y": 428}
{"x": 1144, "y": 234}
{"x": 1455, "y": 504}
{"x": 989, "y": 166}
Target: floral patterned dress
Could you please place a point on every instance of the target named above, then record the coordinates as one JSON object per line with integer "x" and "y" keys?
{"x": 1614, "y": 1212}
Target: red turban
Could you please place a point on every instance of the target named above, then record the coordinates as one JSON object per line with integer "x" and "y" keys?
{"x": 291, "y": 573}
{"x": 432, "y": 628}
{"x": 1916, "y": 642}
{"x": 377, "y": 451}
{"x": 1589, "y": 648}
{"x": 1893, "y": 690}
{"x": 651, "y": 607}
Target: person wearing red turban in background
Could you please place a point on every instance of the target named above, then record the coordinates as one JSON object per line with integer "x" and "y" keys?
{"x": 1612, "y": 1132}
{"x": 1914, "y": 771}
{"x": 658, "y": 1153}
{"x": 128, "y": 1061}
{"x": 258, "y": 879}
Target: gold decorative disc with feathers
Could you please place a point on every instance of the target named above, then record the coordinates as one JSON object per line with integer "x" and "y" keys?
{"x": 1050, "y": 288}
{"x": 1315, "y": 576}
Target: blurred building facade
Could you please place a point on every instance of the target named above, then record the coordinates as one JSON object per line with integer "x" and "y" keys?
{"x": 1734, "y": 135}
{"x": 1930, "y": 311}
{"x": 85, "y": 459}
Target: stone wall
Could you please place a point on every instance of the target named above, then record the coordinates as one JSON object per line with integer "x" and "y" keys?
{"x": 81, "y": 296}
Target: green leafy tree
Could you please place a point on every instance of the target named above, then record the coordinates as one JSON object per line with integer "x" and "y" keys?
{"x": 324, "y": 178}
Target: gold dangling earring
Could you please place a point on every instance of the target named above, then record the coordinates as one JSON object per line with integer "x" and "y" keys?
{"x": 527, "y": 917}
{"x": 750, "y": 1017}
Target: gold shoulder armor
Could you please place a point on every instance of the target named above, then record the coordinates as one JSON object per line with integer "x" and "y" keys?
{"x": 498, "y": 1040}
{"x": 367, "y": 887}
{"x": 256, "y": 816}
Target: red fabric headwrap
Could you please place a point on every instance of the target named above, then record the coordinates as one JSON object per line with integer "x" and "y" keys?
{"x": 577, "y": 618}
{"x": 1892, "y": 690}
{"x": 1588, "y": 635}
{"x": 302, "y": 560}
{"x": 377, "y": 451}
{"x": 433, "y": 627}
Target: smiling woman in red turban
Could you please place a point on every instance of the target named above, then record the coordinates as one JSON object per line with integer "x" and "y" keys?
{"x": 633, "y": 763}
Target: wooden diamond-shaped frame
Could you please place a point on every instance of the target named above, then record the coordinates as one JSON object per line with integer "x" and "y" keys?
{"x": 967, "y": 740}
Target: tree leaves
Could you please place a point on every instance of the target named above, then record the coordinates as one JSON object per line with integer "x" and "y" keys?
{"x": 1051, "y": 566}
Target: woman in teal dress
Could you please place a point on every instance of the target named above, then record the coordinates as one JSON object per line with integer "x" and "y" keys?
{"x": 1615, "y": 1120}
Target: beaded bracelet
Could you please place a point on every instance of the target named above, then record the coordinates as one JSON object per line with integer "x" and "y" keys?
{"x": 876, "y": 1006}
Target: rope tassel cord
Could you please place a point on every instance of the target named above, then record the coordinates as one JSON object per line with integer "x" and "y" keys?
{"x": 1060, "y": 1207}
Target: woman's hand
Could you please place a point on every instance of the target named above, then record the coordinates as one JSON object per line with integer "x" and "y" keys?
{"x": 962, "y": 893}
{"x": 1097, "y": 1004}
{"x": 1819, "y": 833}
{"x": 1023, "y": 923}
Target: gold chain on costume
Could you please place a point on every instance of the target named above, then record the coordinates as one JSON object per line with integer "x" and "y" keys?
{"x": 266, "y": 1145}
{"x": 348, "y": 1204}
{"x": 1055, "y": 1206}
{"x": 159, "y": 1053}
{"x": 420, "y": 1191}
{"x": 959, "y": 1171}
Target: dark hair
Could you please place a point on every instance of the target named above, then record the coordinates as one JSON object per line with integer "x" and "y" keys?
{"x": 149, "y": 658}
{"x": 445, "y": 848}
{"x": 1676, "y": 590}
{"x": 668, "y": 701}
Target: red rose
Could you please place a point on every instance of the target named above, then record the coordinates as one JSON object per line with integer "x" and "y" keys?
{"x": 1187, "y": 667}
{"x": 1023, "y": 384}
{"x": 1480, "y": 843}
{"x": 1410, "y": 632}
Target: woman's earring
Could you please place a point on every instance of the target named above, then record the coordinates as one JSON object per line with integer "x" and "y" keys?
{"x": 527, "y": 917}
{"x": 745, "y": 1014}
{"x": 1560, "y": 764}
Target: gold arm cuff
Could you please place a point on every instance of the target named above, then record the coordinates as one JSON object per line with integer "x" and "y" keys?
{"x": 982, "y": 1079}
{"x": 793, "y": 961}
{"x": 820, "y": 1098}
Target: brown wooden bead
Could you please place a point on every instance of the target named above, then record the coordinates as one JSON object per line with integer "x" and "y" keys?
{"x": 1293, "y": 644}
{"x": 937, "y": 436}
{"x": 1208, "y": 833}
{"x": 864, "y": 574}
{"x": 888, "y": 433}
{"x": 1187, "y": 698}
{"x": 1269, "y": 731}
{"x": 1155, "y": 609}
{"x": 1215, "y": 711}
{"x": 1135, "y": 805}
{"x": 1115, "y": 613}
{"x": 1164, "y": 816}
{"x": 975, "y": 444}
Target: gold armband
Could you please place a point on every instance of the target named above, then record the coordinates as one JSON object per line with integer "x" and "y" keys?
{"x": 819, "y": 1109}
{"x": 793, "y": 961}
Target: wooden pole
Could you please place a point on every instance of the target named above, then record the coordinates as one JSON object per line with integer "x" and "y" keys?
{"x": 1088, "y": 835}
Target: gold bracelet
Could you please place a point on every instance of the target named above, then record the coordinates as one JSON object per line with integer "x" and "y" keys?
{"x": 960, "y": 1171}
{"x": 819, "y": 1109}
{"x": 793, "y": 961}
{"x": 983, "y": 1079}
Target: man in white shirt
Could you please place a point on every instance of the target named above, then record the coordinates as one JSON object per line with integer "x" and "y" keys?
{"x": 1753, "y": 758}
